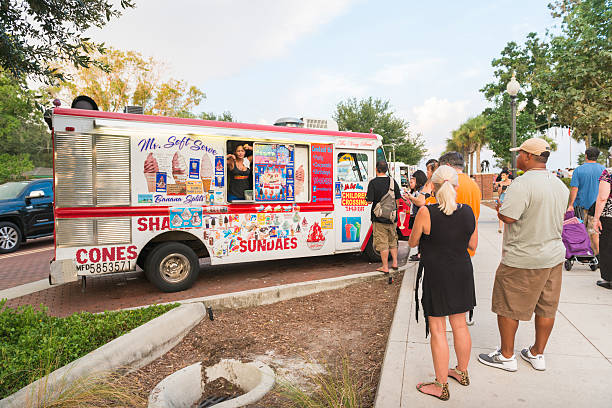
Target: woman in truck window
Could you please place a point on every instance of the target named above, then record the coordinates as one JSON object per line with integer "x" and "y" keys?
{"x": 239, "y": 173}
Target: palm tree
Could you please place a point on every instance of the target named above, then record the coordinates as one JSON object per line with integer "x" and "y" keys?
{"x": 470, "y": 138}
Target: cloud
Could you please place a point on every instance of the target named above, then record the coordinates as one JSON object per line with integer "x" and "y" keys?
{"x": 396, "y": 74}
{"x": 435, "y": 118}
{"x": 324, "y": 90}
{"x": 218, "y": 38}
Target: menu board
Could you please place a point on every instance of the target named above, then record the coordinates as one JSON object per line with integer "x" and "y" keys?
{"x": 321, "y": 157}
{"x": 273, "y": 167}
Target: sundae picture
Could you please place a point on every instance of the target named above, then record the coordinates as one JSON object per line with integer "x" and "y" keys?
{"x": 150, "y": 169}
{"x": 177, "y": 221}
{"x": 206, "y": 172}
{"x": 179, "y": 168}
{"x": 315, "y": 239}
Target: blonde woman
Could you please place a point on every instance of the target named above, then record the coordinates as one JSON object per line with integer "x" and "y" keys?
{"x": 445, "y": 231}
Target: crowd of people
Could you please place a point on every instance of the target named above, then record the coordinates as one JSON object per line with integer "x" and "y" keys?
{"x": 531, "y": 210}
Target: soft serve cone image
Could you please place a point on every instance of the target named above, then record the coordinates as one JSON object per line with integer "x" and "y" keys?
{"x": 179, "y": 169}
{"x": 150, "y": 169}
{"x": 206, "y": 172}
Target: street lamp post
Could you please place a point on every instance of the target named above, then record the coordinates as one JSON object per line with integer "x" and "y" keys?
{"x": 513, "y": 88}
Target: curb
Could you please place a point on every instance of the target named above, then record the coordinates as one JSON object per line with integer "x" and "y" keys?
{"x": 389, "y": 390}
{"x": 273, "y": 294}
{"x": 133, "y": 350}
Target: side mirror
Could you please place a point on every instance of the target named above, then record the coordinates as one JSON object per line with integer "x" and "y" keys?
{"x": 36, "y": 194}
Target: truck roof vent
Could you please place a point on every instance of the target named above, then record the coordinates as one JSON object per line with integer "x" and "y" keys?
{"x": 316, "y": 123}
{"x": 84, "y": 102}
{"x": 139, "y": 110}
{"x": 290, "y": 122}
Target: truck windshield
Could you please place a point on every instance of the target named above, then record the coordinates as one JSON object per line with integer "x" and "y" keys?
{"x": 12, "y": 190}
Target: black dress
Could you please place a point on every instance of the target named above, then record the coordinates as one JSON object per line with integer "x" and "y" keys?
{"x": 448, "y": 281}
{"x": 239, "y": 181}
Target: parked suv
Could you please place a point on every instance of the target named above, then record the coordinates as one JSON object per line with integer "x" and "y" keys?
{"x": 26, "y": 212}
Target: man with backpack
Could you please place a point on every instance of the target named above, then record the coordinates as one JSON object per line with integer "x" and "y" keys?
{"x": 384, "y": 194}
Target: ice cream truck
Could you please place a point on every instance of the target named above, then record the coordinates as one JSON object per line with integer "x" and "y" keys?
{"x": 152, "y": 192}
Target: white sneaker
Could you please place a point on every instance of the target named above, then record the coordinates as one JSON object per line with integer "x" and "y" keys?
{"x": 536, "y": 362}
{"x": 497, "y": 360}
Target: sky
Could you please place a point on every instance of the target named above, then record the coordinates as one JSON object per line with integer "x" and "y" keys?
{"x": 267, "y": 59}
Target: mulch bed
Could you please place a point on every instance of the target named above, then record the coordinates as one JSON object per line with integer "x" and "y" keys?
{"x": 292, "y": 336}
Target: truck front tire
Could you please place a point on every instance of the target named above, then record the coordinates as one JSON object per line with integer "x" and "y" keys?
{"x": 10, "y": 237}
{"x": 172, "y": 267}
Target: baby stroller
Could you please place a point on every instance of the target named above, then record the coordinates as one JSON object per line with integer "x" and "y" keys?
{"x": 577, "y": 243}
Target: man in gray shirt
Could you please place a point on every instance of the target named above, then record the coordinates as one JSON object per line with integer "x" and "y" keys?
{"x": 528, "y": 278}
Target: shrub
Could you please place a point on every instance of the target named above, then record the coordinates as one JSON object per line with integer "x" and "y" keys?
{"x": 33, "y": 343}
{"x": 336, "y": 387}
{"x": 567, "y": 181}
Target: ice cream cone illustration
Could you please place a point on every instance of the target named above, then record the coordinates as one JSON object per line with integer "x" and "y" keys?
{"x": 179, "y": 169}
{"x": 206, "y": 172}
{"x": 150, "y": 169}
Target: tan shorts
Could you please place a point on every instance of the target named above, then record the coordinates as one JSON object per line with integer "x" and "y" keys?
{"x": 385, "y": 236}
{"x": 518, "y": 293}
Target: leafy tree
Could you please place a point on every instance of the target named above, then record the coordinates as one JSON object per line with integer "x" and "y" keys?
{"x": 526, "y": 61}
{"x": 36, "y": 33}
{"x": 130, "y": 79}
{"x": 499, "y": 128}
{"x": 576, "y": 85}
{"x": 13, "y": 166}
{"x": 223, "y": 117}
{"x": 23, "y": 133}
{"x": 367, "y": 114}
{"x": 566, "y": 78}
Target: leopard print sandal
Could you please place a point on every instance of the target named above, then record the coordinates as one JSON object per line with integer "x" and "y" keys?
{"x": 445, "y": 392}
{"x": 465, "y": 379}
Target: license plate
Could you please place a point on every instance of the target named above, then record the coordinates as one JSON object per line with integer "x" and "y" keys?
{"x": 106, "y": 267}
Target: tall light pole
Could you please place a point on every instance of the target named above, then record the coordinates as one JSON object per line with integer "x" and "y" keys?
{"x": 513, "y": 88}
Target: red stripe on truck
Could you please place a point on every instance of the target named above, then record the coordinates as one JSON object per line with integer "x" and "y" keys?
{"x": 86, "y": 212}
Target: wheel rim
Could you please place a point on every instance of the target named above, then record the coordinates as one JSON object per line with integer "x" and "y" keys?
{"x": 174, "y": 268}
{"x": 8, "y": 237}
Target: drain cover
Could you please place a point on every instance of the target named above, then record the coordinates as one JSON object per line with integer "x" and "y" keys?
{"x": 210, "y": 401}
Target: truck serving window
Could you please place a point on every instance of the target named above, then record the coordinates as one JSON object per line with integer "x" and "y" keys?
{"x": 352, "y": 167}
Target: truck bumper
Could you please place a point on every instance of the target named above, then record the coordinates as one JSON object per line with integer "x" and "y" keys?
{"x": 62, "y": 271}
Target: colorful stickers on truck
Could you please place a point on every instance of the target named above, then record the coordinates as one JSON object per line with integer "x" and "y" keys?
{"x": 227, "y": 235}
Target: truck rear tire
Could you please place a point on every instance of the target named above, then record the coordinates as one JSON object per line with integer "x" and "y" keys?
{"x": 172, "y": 267}
{"x": 10, "y": 237}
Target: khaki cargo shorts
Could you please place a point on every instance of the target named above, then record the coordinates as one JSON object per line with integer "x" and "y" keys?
{"x": 385, "y": 236}
{"x": 518, "y": 293}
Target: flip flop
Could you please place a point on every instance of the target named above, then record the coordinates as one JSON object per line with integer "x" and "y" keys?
{"x": 394, "y": 268}
{"x": 381, "y": 270}
{"x": 445, "y": 393}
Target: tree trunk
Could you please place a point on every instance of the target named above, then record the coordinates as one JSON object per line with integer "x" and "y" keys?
{"x": 471, "y": 163}
{"x": 478, "y": 164}
{"x": 587, "y": 141}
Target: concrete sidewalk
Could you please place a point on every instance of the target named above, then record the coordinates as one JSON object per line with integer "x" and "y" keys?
{"x": 578, "y": 357}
